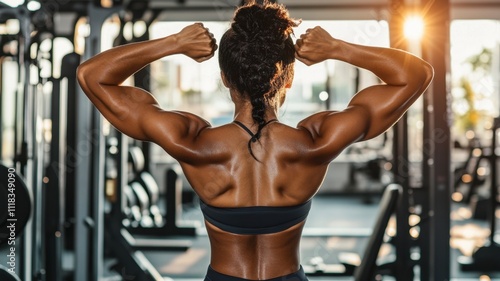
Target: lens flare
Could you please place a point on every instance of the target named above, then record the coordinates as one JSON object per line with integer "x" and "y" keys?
{"x": 414, "y": 27}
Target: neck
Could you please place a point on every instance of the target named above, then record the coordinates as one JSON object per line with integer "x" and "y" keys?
{"x": 244, "y": 114}
{"x": 243, "y": 111}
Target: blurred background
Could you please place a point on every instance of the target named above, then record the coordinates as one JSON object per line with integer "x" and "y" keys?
{"x": 97, "y": 205}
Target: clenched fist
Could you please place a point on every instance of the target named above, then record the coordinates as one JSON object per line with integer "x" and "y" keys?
{"x": 316, "y": 45}
{"x": 196, "y": 42}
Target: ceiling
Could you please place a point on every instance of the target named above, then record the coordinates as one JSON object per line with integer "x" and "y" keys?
{"x": 222, "y": 10}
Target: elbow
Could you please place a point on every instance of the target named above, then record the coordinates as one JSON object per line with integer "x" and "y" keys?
{"x": 81, "y": 74}
{"x": 423, "y": 77}
{"x": 428, "y": 73}
{"x": 428, "y": 76}
{"x": 86, "y": 77}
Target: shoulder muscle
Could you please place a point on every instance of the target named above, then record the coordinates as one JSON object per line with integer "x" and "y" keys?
{"x": 176, "y": 132}
{"x": 333, "y": 131}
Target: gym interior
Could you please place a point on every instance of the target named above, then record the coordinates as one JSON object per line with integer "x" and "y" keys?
{"x": 81, "y": 201}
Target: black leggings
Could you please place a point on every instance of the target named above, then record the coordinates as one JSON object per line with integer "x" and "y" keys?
{"x": 213, "y": 275}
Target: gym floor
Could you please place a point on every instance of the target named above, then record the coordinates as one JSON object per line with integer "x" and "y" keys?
{"x": 336, "y": 224}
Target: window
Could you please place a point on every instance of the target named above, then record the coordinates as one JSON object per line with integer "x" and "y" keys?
{"x": 475, "y": 64}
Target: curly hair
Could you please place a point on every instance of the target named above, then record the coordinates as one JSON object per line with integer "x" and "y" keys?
{"x": 257, "y": 55}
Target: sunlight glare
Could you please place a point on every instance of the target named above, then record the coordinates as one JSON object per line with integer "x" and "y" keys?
{"x": 414, "y": 27}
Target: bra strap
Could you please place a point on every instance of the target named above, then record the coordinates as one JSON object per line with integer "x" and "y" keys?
{"x": 244, "y": 128}
{"x": 254, "y": 137}
{"x": 248, "y": 130}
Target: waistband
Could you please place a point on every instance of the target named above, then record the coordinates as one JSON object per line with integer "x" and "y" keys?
{"x": 213, "y": 275}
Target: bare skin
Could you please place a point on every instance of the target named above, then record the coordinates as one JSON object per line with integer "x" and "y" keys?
{"x": 216, "y": 161}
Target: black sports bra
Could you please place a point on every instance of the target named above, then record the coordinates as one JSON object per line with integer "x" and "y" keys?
{"x": 255, "y": 220}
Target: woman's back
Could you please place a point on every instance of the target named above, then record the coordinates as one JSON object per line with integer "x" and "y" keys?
{"x": 282, "y": 175}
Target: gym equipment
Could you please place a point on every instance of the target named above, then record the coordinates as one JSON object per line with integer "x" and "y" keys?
{"x": 371, "y": 170}
{"x": 18, "y": 213}
{"x": 132, "y": 211}
{"x": 487, "y": 257}
{"x": 89, "y": 227}
{"x": 15, "y": 213}
{"x": 367, "y": 164}
{"x": 147, "y": 195}
{"x": 131, "y": 225}
{"x": 471, "y": 176}
{"x": 6, "y": 275}
{"x": 367, "y": 268}
{"x": 145, "y": 188}
{"x": 25, "y": 154}
{"x": 437, "y": 180}
{"x": 467, "y": 178}
{"x": 57, "y": 168}
{"x": 144, "y": 204}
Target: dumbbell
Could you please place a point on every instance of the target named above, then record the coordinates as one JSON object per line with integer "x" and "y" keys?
{"x": 132, "y": 210}
{"x": 151, "y": 187}
{"x": 143, "y": 204}
{"x": 6, "y": 275}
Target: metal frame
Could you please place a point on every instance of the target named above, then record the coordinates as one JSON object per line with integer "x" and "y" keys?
{"x": 437, "y": 159}
{"x": 54, "y": 189}
{"x": 26, "y": 156}
{"x": 56, "y": 171}
{"x": 403, "y": 266}
{"x": 89, "y": 218}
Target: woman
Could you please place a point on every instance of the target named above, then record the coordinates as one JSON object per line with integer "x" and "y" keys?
{"x": 255, "y": 177}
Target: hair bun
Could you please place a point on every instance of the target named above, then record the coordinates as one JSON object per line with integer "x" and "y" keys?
{"x": 268, "y": 23}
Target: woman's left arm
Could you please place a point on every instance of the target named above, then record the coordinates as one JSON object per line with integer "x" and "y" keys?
{"x": 134, "y": 111}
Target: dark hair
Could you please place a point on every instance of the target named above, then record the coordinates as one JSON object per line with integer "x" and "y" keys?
{"x": 257, "y": 55}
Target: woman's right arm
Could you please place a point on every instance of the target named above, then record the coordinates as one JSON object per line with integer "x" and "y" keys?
{"x": 135, "y": 111}
{"x": 373, "y": 110}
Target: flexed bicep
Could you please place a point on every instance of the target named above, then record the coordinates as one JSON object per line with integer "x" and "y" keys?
{"x": 405, "y": 76}
{"x": 384, "y": 106}
{"x": 136, "y": 113}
